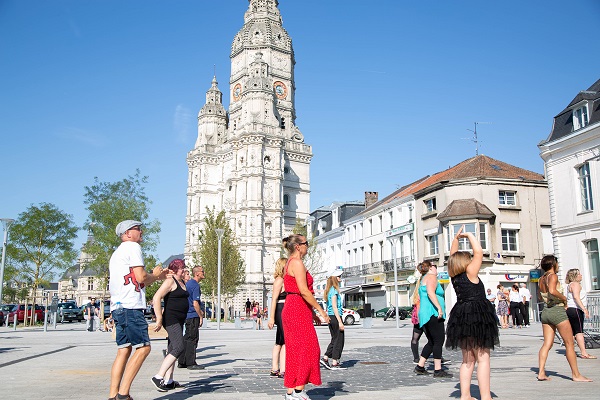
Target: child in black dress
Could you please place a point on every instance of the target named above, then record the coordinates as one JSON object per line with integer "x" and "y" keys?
{"x": 472, "y": 324}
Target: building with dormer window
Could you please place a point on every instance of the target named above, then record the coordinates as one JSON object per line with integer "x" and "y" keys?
{"x": 571, "y": 154}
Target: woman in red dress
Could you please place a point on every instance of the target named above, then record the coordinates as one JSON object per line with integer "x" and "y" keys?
{"x": 302, "y": 346}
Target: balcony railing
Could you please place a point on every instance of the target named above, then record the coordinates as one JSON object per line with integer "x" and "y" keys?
{"x": 379, "y": 267}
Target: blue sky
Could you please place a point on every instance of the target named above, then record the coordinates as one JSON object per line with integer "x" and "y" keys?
{"x": 386, "y": 91}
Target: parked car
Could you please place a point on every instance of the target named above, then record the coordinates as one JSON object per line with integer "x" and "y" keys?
{"x": 19, "y": 310}
{"x": 349, "y": 317}
{"x": 69, "y": 312}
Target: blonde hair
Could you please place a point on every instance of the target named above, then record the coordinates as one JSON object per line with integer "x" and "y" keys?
{"x": 290, "y": 242}
{"x": 280, "y": 267}
{"x": 423, "y": 268}
{"x": 571, "y": 275}
{"x": 458, "y": 262}
{"x": 416, "y": 299}
{"x": 332, "y": 281}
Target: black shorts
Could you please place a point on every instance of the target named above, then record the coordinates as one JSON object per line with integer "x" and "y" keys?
{"x": 279, "y": 340}
{"x": 576, "y": 317}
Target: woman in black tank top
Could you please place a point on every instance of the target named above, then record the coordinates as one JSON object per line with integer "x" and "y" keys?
{"x": 172, "y": 318}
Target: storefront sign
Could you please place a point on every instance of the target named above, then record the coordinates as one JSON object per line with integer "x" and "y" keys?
{"x": 377, "y": 278}
{"x": 515, "y": 278}
{"x": 443, "y": 277}
{"x": 400, "y": 230}
{"x": 534, "y": 275}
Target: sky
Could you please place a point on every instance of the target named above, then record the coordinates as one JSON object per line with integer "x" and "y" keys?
{"x": 386, "y": 91}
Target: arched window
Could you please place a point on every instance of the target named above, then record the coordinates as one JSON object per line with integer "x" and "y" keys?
{"x": 286, "y": 200}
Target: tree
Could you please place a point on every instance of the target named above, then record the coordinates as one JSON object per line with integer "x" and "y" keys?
{"x": 41, "y": 244}
{"x": 232, "y": 265}
{"x": 109, "y": 203}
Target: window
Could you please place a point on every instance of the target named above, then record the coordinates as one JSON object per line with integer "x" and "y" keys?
{"x": 510, "y": 240}
{"x": 580, "y": 118}
{"x": 90, "y": 284}
{"x": 591, "y": 249}
{"x": 432, "y": 242}
{"x": 370, "y": 226}
{"x": 286, "y": 200}
{"x": 430, "y": 205}
{"x": 477, "y": 229}
{"x": 391, "y": 219}
{"x": 585, "y": 187}
{"x": 381, "y": 223}
{"x": 507, "y": 198}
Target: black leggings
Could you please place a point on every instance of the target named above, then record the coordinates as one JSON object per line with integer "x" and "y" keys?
{"x": 414, "y": 343}
{"x": 336, "y": 346}
{"x": 515, "y": 311}
{"x": 434, "y": 330}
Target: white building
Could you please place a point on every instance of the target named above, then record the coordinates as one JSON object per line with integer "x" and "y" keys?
{"x": 252, "y": 161}
{"x": 572, "y": 159}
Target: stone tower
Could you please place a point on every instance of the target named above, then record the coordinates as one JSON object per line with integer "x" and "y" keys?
{"x": 252, "y": 161}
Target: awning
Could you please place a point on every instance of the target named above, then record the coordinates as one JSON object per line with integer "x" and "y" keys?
{"x": 375, "y": 287}
{"x": 350, "y": 290}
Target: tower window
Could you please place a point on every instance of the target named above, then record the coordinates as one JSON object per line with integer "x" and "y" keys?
{"x": 282, "y": 123}
{"x": 286, "y": 200}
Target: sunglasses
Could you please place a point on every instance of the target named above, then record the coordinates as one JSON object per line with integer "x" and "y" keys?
{"x": 303, "y": 244}
{"x": 135, "y": 228}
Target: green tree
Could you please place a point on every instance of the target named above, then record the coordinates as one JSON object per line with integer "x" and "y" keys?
{"x": 232, "y": 265}
{"x": 41, "y": 244}
{"x": 109, "y": 203}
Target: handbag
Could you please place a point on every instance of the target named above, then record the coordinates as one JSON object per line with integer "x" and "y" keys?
{"x": 414, "y": 318}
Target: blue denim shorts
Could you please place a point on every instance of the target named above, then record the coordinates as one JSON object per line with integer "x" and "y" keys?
{"x": 131, "y": 328}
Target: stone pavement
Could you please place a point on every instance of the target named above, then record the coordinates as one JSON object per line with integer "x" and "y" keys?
{"x": 71, "y": 363}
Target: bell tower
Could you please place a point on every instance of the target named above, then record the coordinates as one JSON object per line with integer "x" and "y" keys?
{"x": 252, "y": 162}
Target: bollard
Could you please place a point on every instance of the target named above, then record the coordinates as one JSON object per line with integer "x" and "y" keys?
{"x": 15, "y": 322}
{"x": 238, "y": 322}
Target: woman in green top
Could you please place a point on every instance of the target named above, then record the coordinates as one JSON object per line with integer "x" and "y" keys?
{"x": 432, "y": 314}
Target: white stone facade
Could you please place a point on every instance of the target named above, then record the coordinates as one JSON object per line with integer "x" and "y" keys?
{"x": 252, "y": 161}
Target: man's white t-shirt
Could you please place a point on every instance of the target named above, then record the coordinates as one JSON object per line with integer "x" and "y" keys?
{"x": 123, "y": 286}
{"x": 524, "y": 292}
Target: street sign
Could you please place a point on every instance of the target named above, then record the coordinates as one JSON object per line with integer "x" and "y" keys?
{"x": 399, "y": 230}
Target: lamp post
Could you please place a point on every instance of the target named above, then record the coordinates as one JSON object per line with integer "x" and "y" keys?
{"x": 220, "y": 233}
{"x": 6, "y": 223}
{"x": 393, "y": 241}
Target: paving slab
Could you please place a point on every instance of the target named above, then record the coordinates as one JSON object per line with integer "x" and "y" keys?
{"x": 70, "y": 363}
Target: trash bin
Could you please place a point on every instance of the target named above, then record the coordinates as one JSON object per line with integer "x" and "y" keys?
{"x": 368, "y": 322}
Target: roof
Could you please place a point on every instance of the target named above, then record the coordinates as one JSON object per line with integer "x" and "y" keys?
{"x": 480, "y": 166}
{"x": 465, "y": 208}
{"x": 173, "y": 257}
{"x": 563, "y": 122}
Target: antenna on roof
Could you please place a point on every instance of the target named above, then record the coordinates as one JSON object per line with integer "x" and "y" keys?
{"x": 475, "y": 139}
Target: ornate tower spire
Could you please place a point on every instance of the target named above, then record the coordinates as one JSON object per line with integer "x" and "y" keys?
{"x": 212, "y": 118}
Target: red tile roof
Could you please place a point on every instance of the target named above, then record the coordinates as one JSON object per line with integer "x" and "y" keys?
{"x": 476, "y": 167}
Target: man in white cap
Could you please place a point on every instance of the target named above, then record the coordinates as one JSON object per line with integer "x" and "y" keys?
{"x": 128, "y": 281}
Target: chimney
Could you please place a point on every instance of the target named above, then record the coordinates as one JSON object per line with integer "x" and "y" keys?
{"x": 371, "y": 198}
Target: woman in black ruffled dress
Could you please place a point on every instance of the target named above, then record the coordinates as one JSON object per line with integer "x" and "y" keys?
{"x": 472, "y": 323}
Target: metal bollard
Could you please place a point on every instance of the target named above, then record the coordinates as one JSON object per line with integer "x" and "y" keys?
{"x": 15, "y": 322}
{"x": 238, "y": 322}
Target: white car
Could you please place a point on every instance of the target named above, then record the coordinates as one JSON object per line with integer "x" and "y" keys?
{"x": 349, "y": 317}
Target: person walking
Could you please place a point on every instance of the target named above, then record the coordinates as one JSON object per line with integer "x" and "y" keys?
{"x": 525, "y": 294}
{"x": 417, "y": 331}
{"x": 302, "y": 346}
{"x": 554, "y": 316}
{"x": 172, "y": 318}
{"x": 515, "y": 307}
{"x": 432, "y": 314}
{"x": 91, "y": 313}
{"x": 248, "y": 308}
{"x": 128, "y": 280}
{"x": 502, "y": 306}
{"x": 193, "y": 321}
{"x": 577, "y": 308}
{"x": 472, "y": 323}
{"x": 336, "y": 325}
{"x": 277, "y": 303}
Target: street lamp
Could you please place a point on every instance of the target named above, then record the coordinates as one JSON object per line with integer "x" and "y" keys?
{"x": 220, "y": 233}
{"x": 6, "y": 223}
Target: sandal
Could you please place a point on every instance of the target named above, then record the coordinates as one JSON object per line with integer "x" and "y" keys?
{"x": 274, "y": 373}
{"x": 588, "y": 357}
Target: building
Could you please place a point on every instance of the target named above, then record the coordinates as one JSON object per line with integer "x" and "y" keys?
{"x": 571, "y": 154}
{"x": 506, "y": 207}
{"x": 251, "y": 161}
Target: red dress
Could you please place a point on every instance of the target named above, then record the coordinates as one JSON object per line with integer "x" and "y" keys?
{"x": 302, "y": 351}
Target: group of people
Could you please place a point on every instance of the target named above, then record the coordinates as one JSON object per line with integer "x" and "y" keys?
{"x": 513, "y": 302}
{"x": 472, "y": 324}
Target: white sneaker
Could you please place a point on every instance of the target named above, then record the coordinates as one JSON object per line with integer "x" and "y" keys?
{"x": 302, "y": 395}
{"x": 288, "y": 397}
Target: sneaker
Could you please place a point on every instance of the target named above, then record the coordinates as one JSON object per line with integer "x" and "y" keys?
{"x": 336, "y": 367}
{"x": 172, "y": 385}
{"x": 421, "y": 370}
{"x": 441, "y": 374}
{"x": 325, "y": 362}
{"x": 274, "y": 373}
{"x": 288, "y": 397}
{"x": 444, "y": 361}
{"x": 195, "y": 367}
{"x": 159, "y": 384}
{"x": 302, "y": 395}
{"x": 181, "y": 365}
